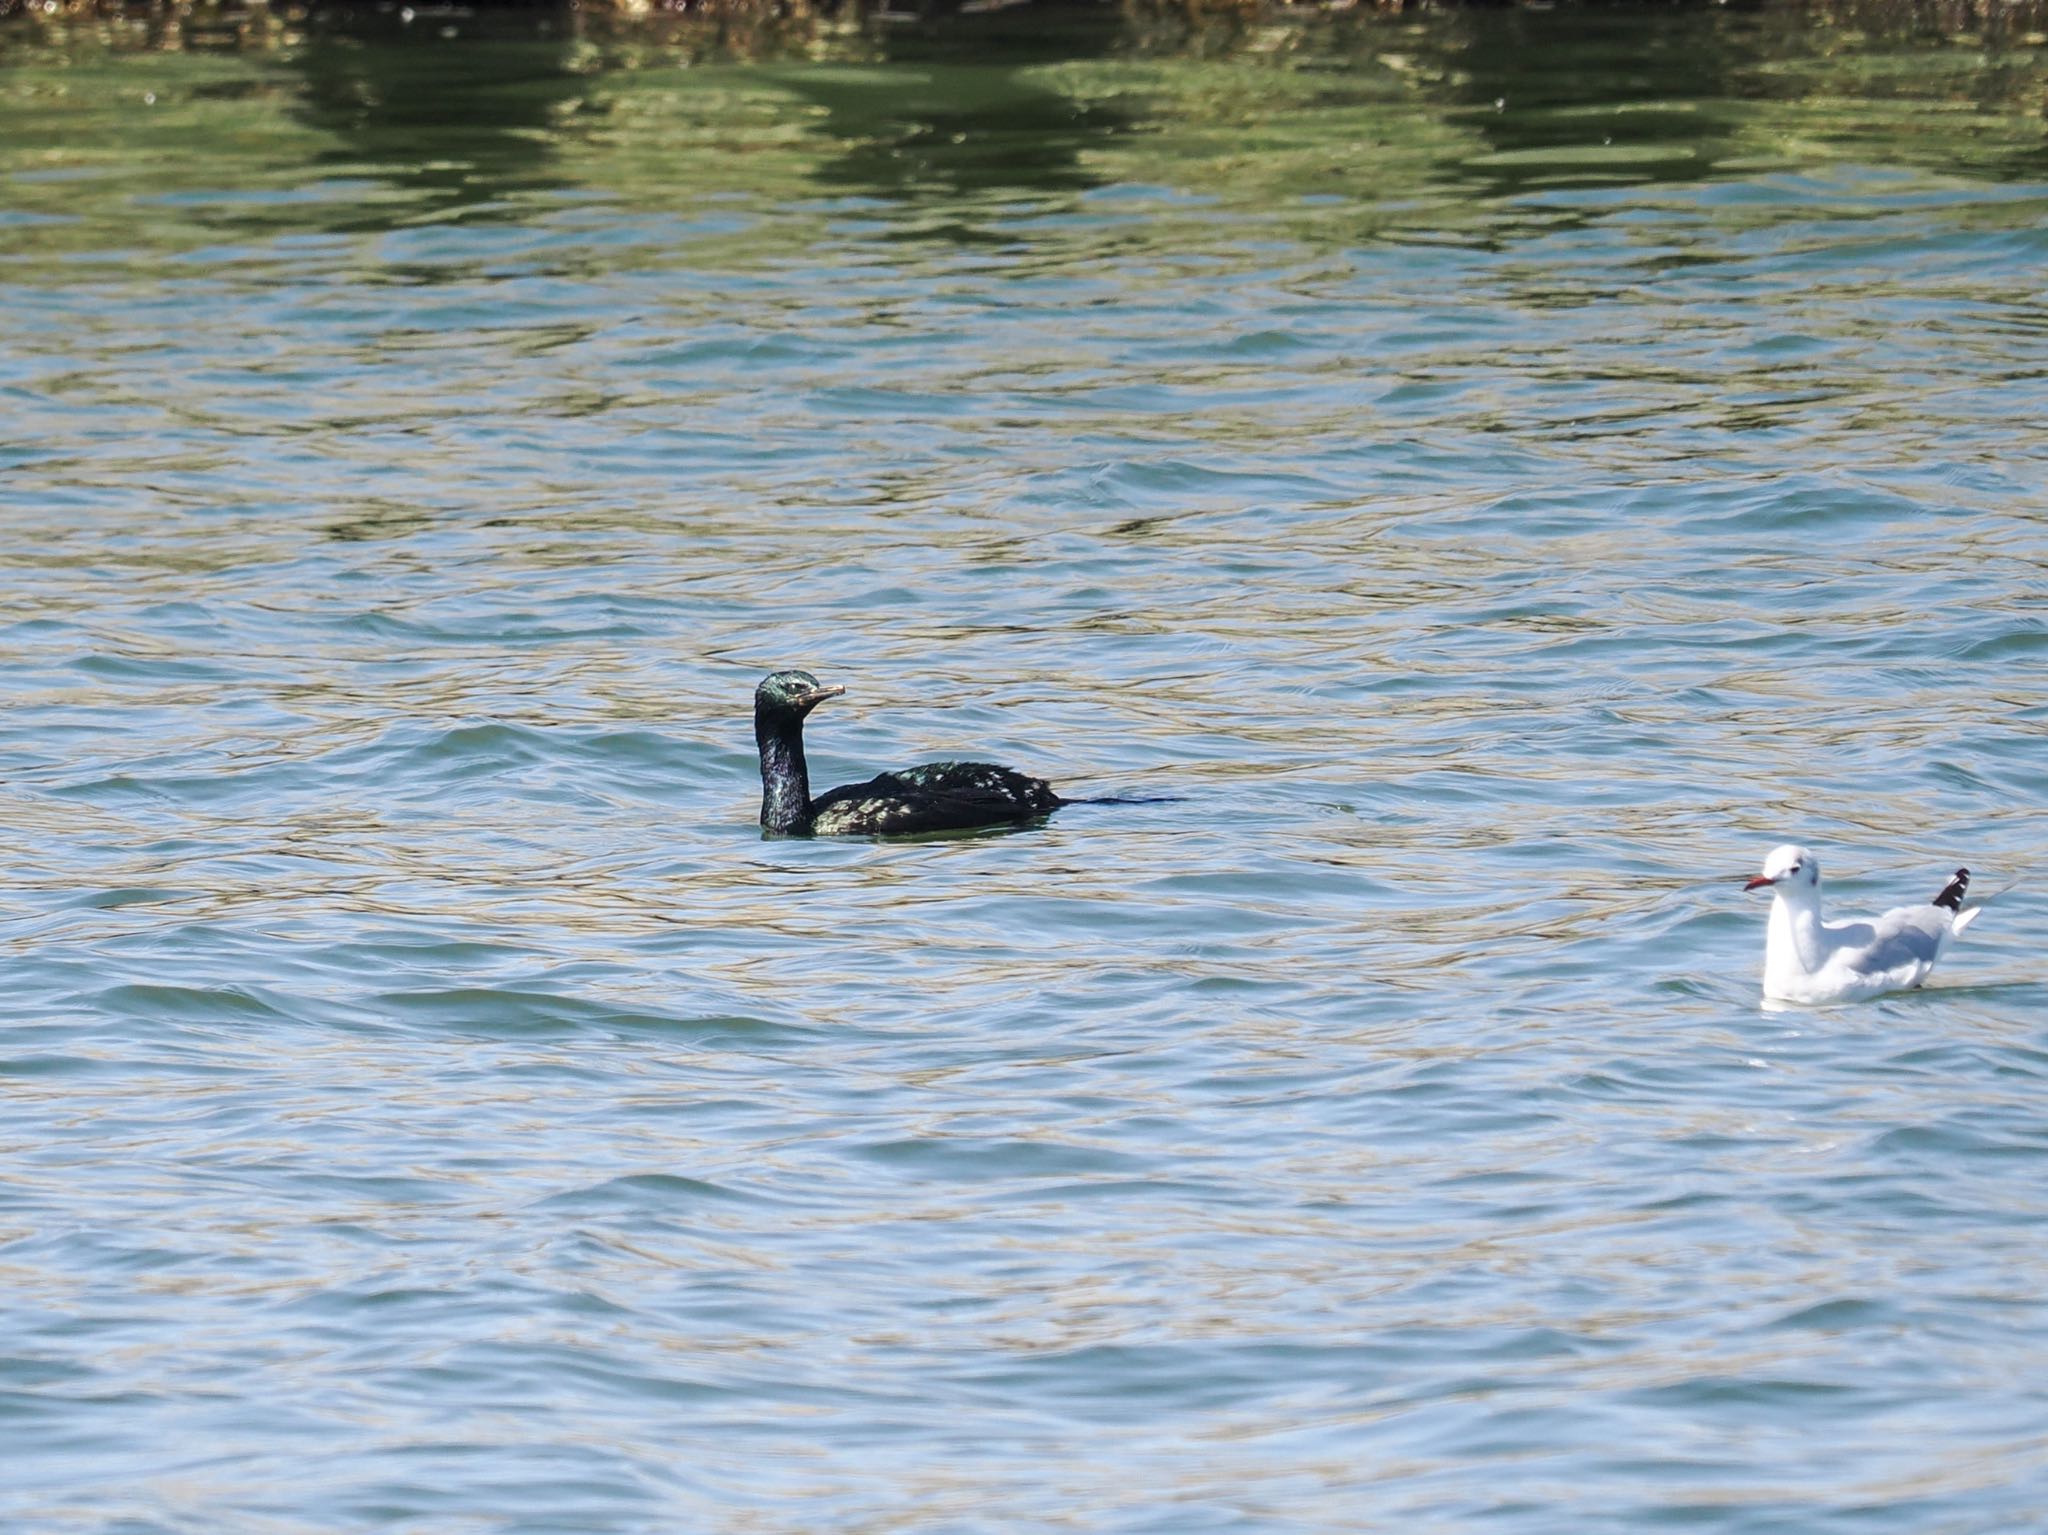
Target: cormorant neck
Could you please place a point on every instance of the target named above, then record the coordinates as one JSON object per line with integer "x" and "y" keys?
{"x": 785, "y": 778}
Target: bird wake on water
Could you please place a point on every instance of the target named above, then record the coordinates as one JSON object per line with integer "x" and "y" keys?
{"x": 1810, "y": 959}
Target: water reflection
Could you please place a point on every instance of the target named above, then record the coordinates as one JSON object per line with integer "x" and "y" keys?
{"x": 365, "y": 123}
{"x": 946, "y": 133}
{"x": 942, "y": 120}
{"x": 1599, "y": 98}
{"x": 458, "y": 117}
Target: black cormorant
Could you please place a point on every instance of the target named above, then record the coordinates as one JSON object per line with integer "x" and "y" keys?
{"x": 939, "y": 796}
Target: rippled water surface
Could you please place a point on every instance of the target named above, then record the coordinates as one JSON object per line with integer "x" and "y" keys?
{"x": 1488, "y": 478}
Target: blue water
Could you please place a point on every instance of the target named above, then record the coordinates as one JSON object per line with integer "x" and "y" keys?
{"x": 431, "y": 1106}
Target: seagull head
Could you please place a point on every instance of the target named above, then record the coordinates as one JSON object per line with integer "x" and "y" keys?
{"x": 1792, "y": 871}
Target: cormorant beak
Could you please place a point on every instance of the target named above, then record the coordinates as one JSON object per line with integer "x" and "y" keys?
{"x": 810, "y": 699}
{"x": 1759, "y": 882}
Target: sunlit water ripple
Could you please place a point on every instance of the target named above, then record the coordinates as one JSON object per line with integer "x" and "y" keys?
{"x": 432, "y": 1107}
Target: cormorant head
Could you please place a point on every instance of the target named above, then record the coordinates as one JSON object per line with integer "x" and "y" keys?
{"x": 796, "y": 693}
{"x": 1794, "y": 868}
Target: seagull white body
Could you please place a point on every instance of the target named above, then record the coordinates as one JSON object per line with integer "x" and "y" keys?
{"x": 1810, "y": 959}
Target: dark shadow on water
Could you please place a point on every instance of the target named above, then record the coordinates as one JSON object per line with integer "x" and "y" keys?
{"x": 948, "y": 114}
{"x": 456, "y": 113}
{"x": 1617, "y": 96}
{"x": 940, "y": 113}
{"x": 456, "y": 116}
{"x": 1595, "y": 98}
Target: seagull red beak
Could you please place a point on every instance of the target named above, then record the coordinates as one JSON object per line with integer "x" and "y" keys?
{"x": 1759, "y": 882}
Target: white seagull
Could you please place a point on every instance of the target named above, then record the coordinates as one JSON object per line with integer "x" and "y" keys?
{"x": 1809, "y": 959}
